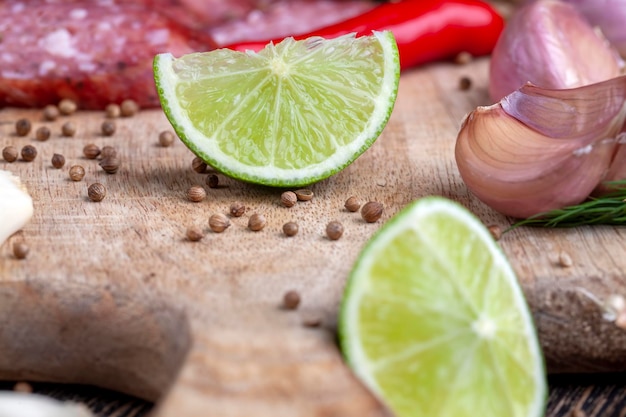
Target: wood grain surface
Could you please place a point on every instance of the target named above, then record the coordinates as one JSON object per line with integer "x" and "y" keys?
{"x": 112, "y": 294}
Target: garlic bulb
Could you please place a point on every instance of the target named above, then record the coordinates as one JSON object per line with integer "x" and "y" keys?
{"x": 607, "y": 15}
{"x": 550, "y": 44}
{"x": 16, "y": 205}
{"x": 540, "y": 149}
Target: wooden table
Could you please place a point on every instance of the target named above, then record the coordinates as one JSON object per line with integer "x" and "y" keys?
{"x": 112, "y": 294}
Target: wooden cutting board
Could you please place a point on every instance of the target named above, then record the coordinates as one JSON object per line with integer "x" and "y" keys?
{"x": 113, "y": 294}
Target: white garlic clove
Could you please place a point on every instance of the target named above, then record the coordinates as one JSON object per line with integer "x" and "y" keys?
{"x": 16, "y": 205}
{"x": 550, "y": 44}
{"x": 539, "y": 150}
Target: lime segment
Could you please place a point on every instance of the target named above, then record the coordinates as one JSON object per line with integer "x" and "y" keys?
{"x": 434, "y": 321}
{"x": 292, "y": 114}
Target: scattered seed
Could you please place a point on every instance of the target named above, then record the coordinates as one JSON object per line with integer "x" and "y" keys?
{"x": 304, "y": 194}
{"x": 212, "y": 181}
{"x": 51, "y": 112}
{"x": 58, "y": 161}
{"x": 288, "y": 199}
{"x": 237, "y": 209}
{"x": 219, "y": 222}
{"x": 198, "y": 165}
{"x": 108, "y": 152}
{"x": 196, "y": 194}
{"x": 108, "y": 128}
{"x": 42, "y": 134}
{"x": 290, "y": 229}
{"x": 22, "y": 127}
{"x": 291, "y": 300}
{"x": 312, "y": 321}
{"x": 9, "y": 153}
{"x": 166, "y": 138}
{"x": 463, "y": 58}
{"x": 20, "y": 250}
{"x": 256, "y": 222}
{"x": 352, "y": 204}
{"x": 110, "y": 165}
{"x": 77, "y": 173}
{"x": 371, "y": 211}
{"x": 334, "y": 230}
{"x": 91, "y": 151}
{"x": 194, "y": 233}
{"x": 113, "y": 111}
{"x": 496, "y": 231}
{"x": 565, "y": 260}
{"x": 465, "y": 83}
{"x": 29, "y": 153}
{"x": 67, "y": 106}
{"x": 68, "y": 129}
{"x": 24, "y": 387}
{"x": 128, "y": 108}
{"x": 96, "y": 192}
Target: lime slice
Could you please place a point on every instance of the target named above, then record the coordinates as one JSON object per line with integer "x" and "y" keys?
{"x": 434, "y": 321}
{"x": 292, "y": 114}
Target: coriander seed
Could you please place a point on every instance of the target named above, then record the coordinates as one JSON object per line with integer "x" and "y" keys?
{"x": 42, "y": 134}
{"x": 372, "y": 211}
{"x": 29, "y": 153}
{"x": 108, "y": 152}
{"x": 129, "y": 108}
{"x": 196, "y": 194}
{"x": 304, "y": 194}
{"x": 256, "y": 222}
{"x": 23, "y": 386}
{"x": 67, "y": 106}
{"x": 166, "y": 138}
{"x": 463, "y": 58}
{"x": 107, "y": 128}
{"x": 212, "y": 181}
{"x": 352, "y": 204}
{"x": 68, "y": 129}
{"x": 9, "y": 153}
{"x": 237, "y": 209}
{"x": 194, "y": 233}
{"x": 110, "y": 165}
{"x": 290, "y": 229}
{"x": 91, "y": 151}
{"x": 334, "y": 230}
{"x": 77, "y": 172}
{"x": 50, "y": 112}
{"x": 288, "y": 199}
{"x": 199, "y": 165}
{"x": 496, "y": 231}
{"x": 96, "y": 192}
{"x": 58, "y": 161}
{"x": 22, "y": 127}
{"x": 291, "y": 300}
{"x": 219, "y": 222}
{"x": 113, "y": 111}
{"x": 20, "y": 250}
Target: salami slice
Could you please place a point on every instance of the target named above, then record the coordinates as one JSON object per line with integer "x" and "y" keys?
{"x": 95, "y": 53}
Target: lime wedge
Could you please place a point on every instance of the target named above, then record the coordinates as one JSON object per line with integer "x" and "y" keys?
{"x": 433, "y": 319}
{"x": 292, "y": 114}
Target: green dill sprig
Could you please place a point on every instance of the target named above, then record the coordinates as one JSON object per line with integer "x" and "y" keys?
{"x": 609, "y": 209}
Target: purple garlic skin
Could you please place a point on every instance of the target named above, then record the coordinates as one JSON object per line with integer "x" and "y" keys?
{"x": 550, "y": 44}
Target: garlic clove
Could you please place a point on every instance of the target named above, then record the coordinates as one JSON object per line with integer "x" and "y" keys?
{"x": 550, "y": 44}
{"x": 538, "y": 149}
{"x": 16, "y": 205}
{"x": 609, "y": 17}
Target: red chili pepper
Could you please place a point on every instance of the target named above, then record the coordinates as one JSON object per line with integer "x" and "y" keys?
{"x": 425, "y": 30}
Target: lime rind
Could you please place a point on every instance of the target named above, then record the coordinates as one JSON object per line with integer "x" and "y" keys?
{"x": 481, "y": 334}
{"x": 335, "y": 99}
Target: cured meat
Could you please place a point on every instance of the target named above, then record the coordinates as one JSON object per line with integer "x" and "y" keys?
{"x": 93, "y": 52}
{"x": 286, "y": 18}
